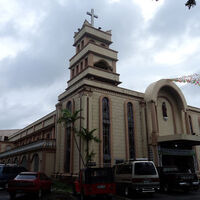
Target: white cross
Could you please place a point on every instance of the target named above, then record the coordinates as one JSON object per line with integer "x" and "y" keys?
{"x": 92, "y": 16}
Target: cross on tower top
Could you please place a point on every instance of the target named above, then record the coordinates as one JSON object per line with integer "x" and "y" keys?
{"x": 92, "y": 16}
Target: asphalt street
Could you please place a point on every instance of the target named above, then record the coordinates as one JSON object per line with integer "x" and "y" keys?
{"x": 157, "y": 196}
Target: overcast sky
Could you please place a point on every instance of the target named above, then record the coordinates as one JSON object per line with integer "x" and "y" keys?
{"x": 155, "y": 40}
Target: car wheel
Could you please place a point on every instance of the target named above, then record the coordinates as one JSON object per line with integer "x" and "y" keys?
{"x": 74, "y": 190}
{"x": 126, "y": 191}
{"x": 6, "y": 186}
{"x": 12, "y": 195}
{"x": 50, "y": 190}
{"x": 39, "y": 194}
{"x": 186, "y": 190}
{"x": 109, "y": 198}
{"x": 82, "y": 196}
{"x": 166, "y": 188}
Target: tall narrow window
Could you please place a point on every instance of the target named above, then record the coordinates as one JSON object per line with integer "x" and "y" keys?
{"x": 86, "y": 62}
{"x": 190, "y": 122}
{"x": 82, "y": 44}
{"x": 164, "y": 111}
{"x": 81, "y": 66}
{"x": 16, "y": 161}
{"x": 24, "y": 162}
{"x": 78, "y": 48}
{"x": 72, "y": 73}
{"x": 68, "y": 141}
{"x": 106, "y": 131}
{"x": 77, "y": 69}
{"x": 36, "y": 163}
{"x": 131, "y": 131}
{"x": 199, "y": 124}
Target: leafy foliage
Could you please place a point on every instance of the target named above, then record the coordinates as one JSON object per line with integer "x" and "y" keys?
{"x": 189, "y": 3}
{"x": 69, "y": 118}
{"x": 88, "y": 136}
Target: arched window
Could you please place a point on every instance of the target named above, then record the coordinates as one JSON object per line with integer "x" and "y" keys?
{"x": 68, "y": 140}
{"x": 92, "y": 41}
{"x": 8, "y": 147}
{"x": 190, "y": 122}
{"x": 16, "y": 161}
{"x": 102, "y": 64}
{"x": 131, "y": 131}
{"x": 24, "y": 162}
{"x": 164, "y": 111}
{"x": 36, "y": 163}
{"x": 106, "y": 130}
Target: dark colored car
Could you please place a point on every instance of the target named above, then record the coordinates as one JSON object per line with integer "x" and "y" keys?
{"x": 95, "y": 182}
{"x": 8, "y": 172}
{"x": 172, "y": 178}
{"x": 30, "y": 182}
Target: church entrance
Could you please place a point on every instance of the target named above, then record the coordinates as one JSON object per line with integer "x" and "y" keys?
{"x": 177, "y": 155}
{"x": 183, "y": 163}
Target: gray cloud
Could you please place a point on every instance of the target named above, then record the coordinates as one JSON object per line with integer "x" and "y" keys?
{"x": 43, "y": 65}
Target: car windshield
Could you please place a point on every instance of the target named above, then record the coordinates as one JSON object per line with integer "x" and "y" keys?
{"x": 144, "y": 168}
{"x": 26, "y": 177}
{"x": 103, "y": 175}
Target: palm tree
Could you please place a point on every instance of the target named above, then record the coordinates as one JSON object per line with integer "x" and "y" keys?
{"x": 69, "y": 118}
{"x": 88, "y": 136}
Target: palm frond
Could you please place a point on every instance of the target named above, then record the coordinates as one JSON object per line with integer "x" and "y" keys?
{"x": 190, "y": 3}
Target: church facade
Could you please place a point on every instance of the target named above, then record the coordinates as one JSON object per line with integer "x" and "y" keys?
{"x": 157, "y": 124}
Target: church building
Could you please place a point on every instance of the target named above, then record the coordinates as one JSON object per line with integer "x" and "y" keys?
{"x": 157, "y": 124}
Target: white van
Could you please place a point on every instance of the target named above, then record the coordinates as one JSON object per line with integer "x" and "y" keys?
{"x": 136, "y": 176}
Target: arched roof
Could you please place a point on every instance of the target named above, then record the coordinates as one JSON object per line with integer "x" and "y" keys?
{"x": 153, "y": 89}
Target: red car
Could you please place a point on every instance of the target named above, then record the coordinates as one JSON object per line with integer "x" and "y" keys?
{"x": 95, "y": 182}
{"x": 29, "y": 182}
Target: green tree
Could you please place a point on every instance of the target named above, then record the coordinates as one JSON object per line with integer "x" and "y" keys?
{"x": 70, "y": 118}
{"x": 189, "y": 3}
{"x": 88, "y": 136}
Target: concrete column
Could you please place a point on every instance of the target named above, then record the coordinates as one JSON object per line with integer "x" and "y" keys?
{"x": 58, "y": 138}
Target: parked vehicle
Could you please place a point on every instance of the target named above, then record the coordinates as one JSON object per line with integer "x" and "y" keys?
{"x": 172, "y": 178}
{"x": 136, "y": 176}
{"x": 95, "y": 182}
{"x": 8, "y": 172}
{"x": 29, "y": 182}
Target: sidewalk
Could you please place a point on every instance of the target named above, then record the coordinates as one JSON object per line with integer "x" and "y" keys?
{"x": 59, "y": 196}
{"x": 61, "y": 191}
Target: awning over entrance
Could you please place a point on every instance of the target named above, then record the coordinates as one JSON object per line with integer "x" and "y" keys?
{"x": 189, "y": 140}
{"x": 177, "y": 152}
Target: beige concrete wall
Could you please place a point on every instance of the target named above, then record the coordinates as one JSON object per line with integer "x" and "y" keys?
{"x": 89, "y": 103}
{"x": 92, "y": 31}
{"x": 49, "y": 163}
{"x": 97, "y": 58}
{"x": 4, "y": 146}
{"x": 96, "y": 49}
{"x": 195, "y": 122}
{"x": 166, "y": 127}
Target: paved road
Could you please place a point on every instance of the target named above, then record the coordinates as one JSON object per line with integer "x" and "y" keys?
{"x": 162, "y": 196}
{"x": 158, "y": 196}
{"x": 5, "y": 196}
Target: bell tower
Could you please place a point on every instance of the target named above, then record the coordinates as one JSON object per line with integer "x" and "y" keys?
{"x": 94, "y": 59}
